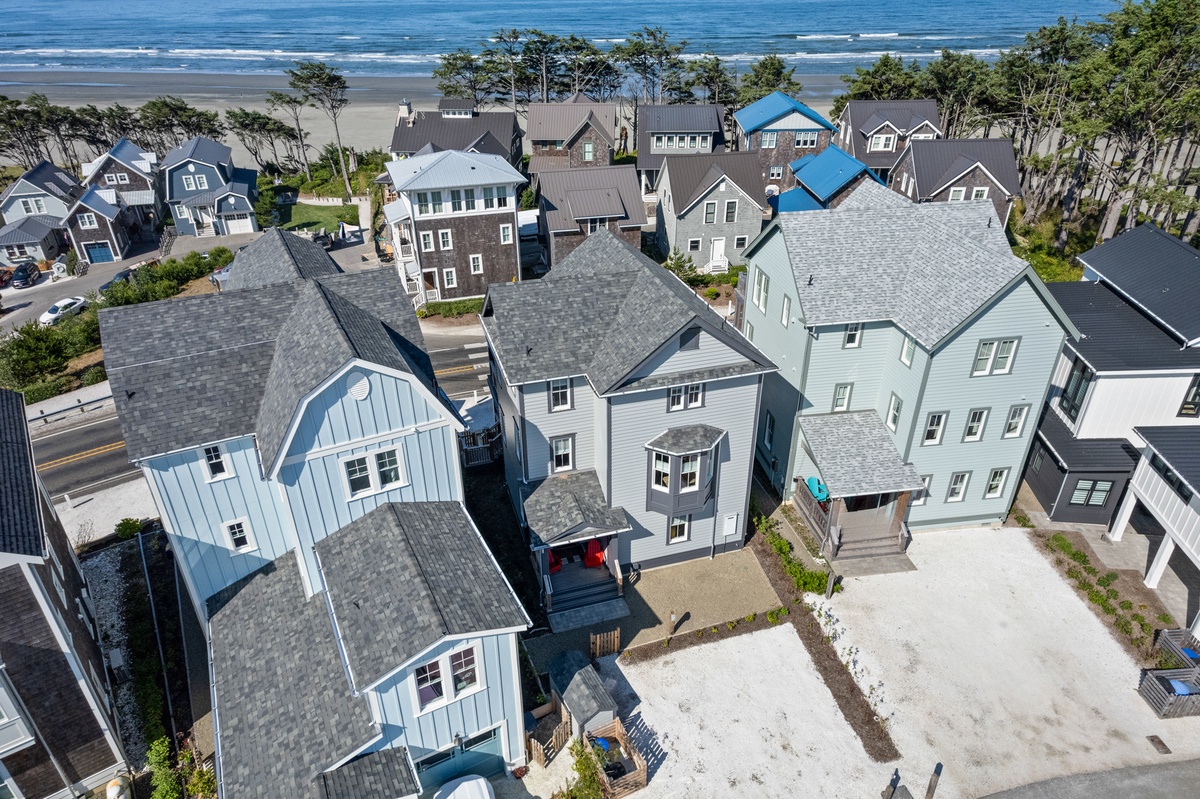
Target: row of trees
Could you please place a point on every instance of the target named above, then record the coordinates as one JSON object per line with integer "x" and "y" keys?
{"x": 1105, "y": 115}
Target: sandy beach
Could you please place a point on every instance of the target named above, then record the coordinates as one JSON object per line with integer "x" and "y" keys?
{"x": 366, "y": 123}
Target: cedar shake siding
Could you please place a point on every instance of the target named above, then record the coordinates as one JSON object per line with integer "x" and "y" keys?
{"x": 469, "y": 235}
{"x": 562, "y": 244}
{"x": 107, "y": 230}
{"x": 902, "y": 176}
{"x": 136, "y": 182}
{"x": 846, "y": 190}
{"x": 784, "y": 152}
{"x": 572, "y": 151}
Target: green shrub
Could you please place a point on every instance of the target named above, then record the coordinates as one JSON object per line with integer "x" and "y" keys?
{"x": 451, "y": 309}
{"x": 31, "y": 354}
{"x": 94, "y": 375}
{"x": 1085, "y": 586}
{"x": 128, "y": 528}
{"x": 1123, "y": 624}
{"x": 1096, "y": 596}
{"x": 1090, "y": 571}
{"x": 711, "y": 293}
{"x": 1059, "y": 541}
{"x": 587, "y": 783}
{"x": 1112, "y": 593}
{"x": 46, "y": 389}
{"x": 1108, "y": 579}
{"x": 776, "y": 616}
{"x": 1074, "y": 574}
{"x": 1108, "y": 608}
{"x": 528, "y": 199}
{"x": 162, "y": 771}
{"x": 203, "y": 783}
{"x": 1125, "y": 604}
{"x": 1147, "y": 627}
{"x": 1079, "y": 556}
{"x": 750, "y": 617}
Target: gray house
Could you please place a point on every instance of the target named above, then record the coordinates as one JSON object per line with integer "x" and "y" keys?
{"x": 710, "y": 207}
{"x": 575, "y": 133}
{"x": 128, "y": 175}
{"x": 664, "y": 130}
{"x": 907, "y": 400}
{"x": 876, "y": 132}
{"x": 457, "y": 125}
{"x": 33, "y": 238}
{"x": 58, "y": 733}
{"x": 628, "y": 421}
{"x": 958, "y": 170}
{"x": 100, "y": 231}
{"x": 207, "y": 194}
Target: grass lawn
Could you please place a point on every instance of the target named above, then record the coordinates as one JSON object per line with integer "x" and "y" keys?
{"x": 314, "y": 217}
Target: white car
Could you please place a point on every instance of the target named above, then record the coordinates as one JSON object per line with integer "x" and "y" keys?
{"x": 67, "y": 306}
{"x": 466, "y": 788}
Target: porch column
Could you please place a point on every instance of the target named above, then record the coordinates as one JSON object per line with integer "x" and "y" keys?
{"x": 1123, "y": 515}
{"x": 1161, "y": 558}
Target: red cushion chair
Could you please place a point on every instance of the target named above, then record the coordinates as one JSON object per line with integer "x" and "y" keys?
{"x": 594, "y": 557}
{"x": 555, "y": 562}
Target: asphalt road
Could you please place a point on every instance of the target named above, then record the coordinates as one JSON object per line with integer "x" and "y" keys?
{"x": 459, "y": 356}
{"x": 25, "y": 305}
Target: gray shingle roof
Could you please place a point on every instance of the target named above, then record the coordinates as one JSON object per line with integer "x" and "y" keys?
{"x": 206, "y": 151}
{"x": 944, "y": 261}
{"x": 1156, "y": 271}
{"x": 579, "y": 686}
{"x": 1179, "y": 447}
{"x": 936, "y": 162}
{"x": 20, "y": 519}
{"x": 454, "y": 133}
{"x": 1085, "y": 454}
{"x": 50, "y": 179}
{"x": 567, "y": 507}
{"x": 874, "y": 195}
{"x": 284, "y": 711}
{"x": 539, "y": 329}
{"x": 28, "y": 229}
{"x": 866, "y": 115}
{"x": 279, "y": 257}
{"x": 689, "y": 176}
{"x": 561, "y": 121}
{"x": 1118, "y": 336}
{"x": 676, "y": 119}
{"x": 385, "y": 774}
{"x": 201, "y": 378}
{"x": 563, "y": 196}
{"x": 856, "y": 455}
{"x": 449, "y": 169}
{"x": 132, "y": 156}
{"x": 688, "y": 439}
{"x": 406, "y": 575}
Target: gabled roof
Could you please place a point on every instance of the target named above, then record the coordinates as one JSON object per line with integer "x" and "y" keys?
{"x": 20, "y": 518}
{"x": 451, "y": 169}
{"x": 1117, "y": 336}
{"x": 453, "y": 133}
{"x": 279, "y": 257}
{"x": 93, "y": 200}
{"x": 284, "y": 711}
{"x": 867, "y": 116}
{"x": 654, "y": 119}
{"x": 610, "y": 191}
{"x": 944, "y": 262}
{"x": 561, "y": 121}
{"x": 580, "y": 687}
{"x": 1155, "y": 271}
{"x": 938, "y": 162}
{"x": 569, "y": 507}
{"x": 540, "y": 329}
{"x": 375, "y": 775}
{"x": 206, "y": 151}
{"x": 856, "y": 454}
{"x": 689, "y": 177}
{"x": 201, "y": 378}
{"x": 1179, "y": 447}
{"x": 48, "y": 178}
{"x": 29, "y": 229}
{"x": 405, "y": 576}
{"x": 828, "y": 172}
{"x": 761, "y": 113}
{"x": 792, "y": 201}
{"x": 129, "y": 155}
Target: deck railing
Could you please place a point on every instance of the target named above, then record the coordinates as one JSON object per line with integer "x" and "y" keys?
{"x": 632, "y": 780}
{"x": 478, "y": 447}
{"x": 717, "y": 266}
{"x": 816, "y": 517}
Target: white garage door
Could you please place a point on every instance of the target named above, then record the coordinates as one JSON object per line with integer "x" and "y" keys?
{"x": 238, "y": 223}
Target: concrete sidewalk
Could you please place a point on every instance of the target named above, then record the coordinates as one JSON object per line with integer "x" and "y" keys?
{"x": 90, "y": 400}
{"x": 1166, "y": 781}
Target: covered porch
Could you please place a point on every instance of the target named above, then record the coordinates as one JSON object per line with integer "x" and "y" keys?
{"x": 853, "y": 488}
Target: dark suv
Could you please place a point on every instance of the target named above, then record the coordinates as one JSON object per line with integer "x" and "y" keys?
{"x": 25, "y": 276}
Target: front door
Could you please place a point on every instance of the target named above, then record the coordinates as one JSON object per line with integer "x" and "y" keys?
{"x": 718, "y": 249}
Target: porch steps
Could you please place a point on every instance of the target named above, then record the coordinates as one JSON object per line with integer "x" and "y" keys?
{"x": 869, "y": 548}
{"x": 586, "y": 593}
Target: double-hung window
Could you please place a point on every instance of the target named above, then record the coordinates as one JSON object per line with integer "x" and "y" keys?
{"x": 35, "y": 205}
{"x": 695, "y": 395}
{"x": 560, "y": 394}
{"x": 476, "y": 264}
{"x": 489, "y": 197}
{"x": 658, "y": 141}
{"x": 562, "y": 450}
{"x": 214, "y": 458}
{"x": 358, "y": 476}
{"x": 994, "y": 357}
{"x": 693, "y": 141}
{"x": 776, "y": 173}
{"x": 841, "y": 397}
{"x": 893, "y": 415}
{"x": 201, "y": 182}
{"x": 387, "y": 465}
{"x": 506, "y": 234}
{"x": 769, "y": 432}
{"x": 501, "y": 196}
{"x": 979, "y": 193}
{"x": 679, "y": 528}
{"x": 958, "y": 486}
{"x": 189, "y": 183}
{"x": 462, "y": 665}
{"x": 87, "y": 221}
{"x": 710, "y": 213}
{"x": 1015, "y": 424}
{"x": 907, "y": 348}
{"x": 426, "y": 241}
{"x": 997, "y": 479}
{"x": 935, "y": 425}
{"x": 731, "y": 210}
{"x": 462, "y": 670}
{"x": 1191, "y": 400}
{"x": 762, "y": 287}
{"x": 806, "y": 139}
{"x": 589, "y": 151}
{"x": 445, "y": 240}
{"x": 450, "y": 278}
{"x": 1076, "y": 389}
{"x": 429, "y": 684}
{"x": 769, "y": 139}
{"x": 704, "y": 141}
{"x": 456, "y": 200}
{"x": 661, "y": 478}
{"x": 852, "y": 337}
{"x": 689, "y": 472}
{"x": 675, "y": 399}
{"x": 976, "y": 420}
{"x": 376, "y": 471}
{"x": 435, "y": 199}
{"x": 469, "y": 199}
{"x": 422, "y": 203}
{"x": 957, "y": 195}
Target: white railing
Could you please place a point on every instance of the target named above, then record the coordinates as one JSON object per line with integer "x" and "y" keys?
{"x": 548, "y": 591}
{"x": 717, "y": 266}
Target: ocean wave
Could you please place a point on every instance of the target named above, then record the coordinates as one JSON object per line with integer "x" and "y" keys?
{"x": 877, "y": 35}
{"x": 349, "y": 37}
{"x": 104, "y": 51}
{"x": 824, "y": 37}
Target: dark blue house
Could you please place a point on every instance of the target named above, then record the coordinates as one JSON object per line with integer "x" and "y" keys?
{"x": 207, "y": 194}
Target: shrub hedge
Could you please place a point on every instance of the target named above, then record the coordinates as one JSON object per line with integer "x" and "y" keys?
{"x": 451, "y": 309}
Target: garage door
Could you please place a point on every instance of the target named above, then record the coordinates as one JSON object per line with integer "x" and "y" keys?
{"x": 482, "y": 754}
{"x": 238, "y": 223}
{"x": 99, "y": 252}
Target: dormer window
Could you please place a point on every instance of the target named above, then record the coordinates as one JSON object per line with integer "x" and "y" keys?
{"x": 1191, "y": 400}
{"x": 214, "y": 459}
{"x": 589, "y": 151}
{"x": 693, "y": 141}
{"x": 704, "y": 142}
{"x": 658, "y": 141}
{"x": 883, "y": 143}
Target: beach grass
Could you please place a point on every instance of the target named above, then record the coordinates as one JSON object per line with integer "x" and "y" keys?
{"x": 314, "y": 217}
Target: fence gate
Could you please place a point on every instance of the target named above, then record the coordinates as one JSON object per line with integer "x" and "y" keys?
{"x": 603, "y": 644}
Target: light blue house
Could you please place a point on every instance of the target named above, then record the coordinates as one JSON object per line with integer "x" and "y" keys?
{"x": 914, "y": 353}
{"x": 305, "y": 466}
{"x": 207, "y": 194}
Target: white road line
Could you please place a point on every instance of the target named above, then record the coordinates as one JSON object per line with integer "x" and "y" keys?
{"x": 474, "y": 345}
{"x": 477, "y": 354}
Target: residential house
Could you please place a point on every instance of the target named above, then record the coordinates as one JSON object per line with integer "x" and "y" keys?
{"x": 877, "y": 131}
{"x": 46, "y": 191}
{"x": 305, "y": 466}
{"x": 710, "y": 207}
{"x": 30, "y": 238}
{"x": 628, "y": 420}
{"x": 954, "y": 170}
{"x": 457, "y": 125}
{"x": 780, "y": 129}
{"x": 454, "y": 223}
{"x": 58, "y": 733}
{"x": 207, "y": 194}
{"x": 1166, "y": 483}
{"x": 100, "y": 231}
{"x": 576, "y": 203}
{"x": 1136, "y": 365}
{"x": 906, "y": 399}
{"x": 574, "y": 133}
{"x": 129, "y": 173}
{"x": 828, "y": 177}
{"x": 664, "y": 130}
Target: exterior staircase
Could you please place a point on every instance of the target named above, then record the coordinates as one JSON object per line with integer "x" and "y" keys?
{"x": 589, "y": 587}
{"x": 869, "y": 548}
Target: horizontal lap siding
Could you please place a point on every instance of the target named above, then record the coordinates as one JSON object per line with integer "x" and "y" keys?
{"x": 691, "y": 225}
{"x": 830, "y": 364}
{"x": 905, "y": 382}
{"x": 541, "y": 426}
{"x": 1118, "y": 404}
{"x": 671, "y": 360}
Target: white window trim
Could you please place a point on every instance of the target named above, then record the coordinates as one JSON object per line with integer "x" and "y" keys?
{"x": 762, "y": 288}
{"x": 1024, "y": 409}
{"x": 740, "y": 242}
{"x": 122, "y": 178}
{"x": 999, "y": 492}
{"x": 202, "y": 182}
{"x": 251, "y": 540}
{"x": 687, "y": 396}
{"x": 966, "y": 484}
{"x": 941, "y": 429}
{"x": 570, "y": 394}
{"x": 786, "y": 312}
{"x": 696, "y": 485}
{"x": 555, "y": 469}
{"x": 653, "y": 464}
{"x": 769, "y": 431}
{"x": 975, "y": 190}
{"x": 189, "y": 182}
{"x": 87, "y": 221}
{"x": 849, "y": 394}
{"x": 476, "y": 259}
{"x": 426, "y": 237}
{"x": 450, "y": 278}
{"x": 775, "y": 173}
{"x": 445, "y": 235}
{"x": 225, "y": 460}
{"x": 982, "y": 425}
{"x": 448, "y": 695}
{"x": 697, "y": 242}
{"x": 855, "y": 329}
{"x": 725, "y": 210}
{"x": 961, "y": 195}
{"x": 506, "y": 236}
{"x": 908, "y": 348}
{"x": 373, "y": 471}
{"x": 774, "y": 139}
{"x": 895, "y": 405}
{"x": 713, "y": 205}
{"x": 687, "y": 529}
{"x": 110, "y": 179}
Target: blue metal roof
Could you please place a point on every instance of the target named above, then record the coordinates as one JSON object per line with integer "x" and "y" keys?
{"x": 762, "y": 112}
{"x": 827, "y": 172}
{"x": 794, "y": 200}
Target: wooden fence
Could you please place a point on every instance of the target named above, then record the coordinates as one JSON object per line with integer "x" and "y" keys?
{"x": 542, "y": 754}
{"x": 477, "y": 447}
{"x": 604, "y": 644}
{"x": 634, "y": 779}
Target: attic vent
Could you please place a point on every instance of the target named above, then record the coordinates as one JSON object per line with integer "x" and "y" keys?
{"x": 358, "y": 387}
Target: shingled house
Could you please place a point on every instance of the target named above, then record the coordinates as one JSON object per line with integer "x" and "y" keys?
{"x": 58, "y": 733}
{"x": 576, "y": 203}
{"x": 572, "y": 134}
{"x": 676, "y": 130}
{"x": 456, "y": 125}
{"x": 955, "y": 170}
{"x": 128, "y": 175}
{"x": 827, "y": 178}
{"x": 780, "y": 129}
{"x": 305, "y": 466}
{"x": 876, "y": 132}
{"x": 100, "y": 231}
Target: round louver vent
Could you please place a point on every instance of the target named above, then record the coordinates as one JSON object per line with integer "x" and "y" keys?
{"x": 359, "y": 387}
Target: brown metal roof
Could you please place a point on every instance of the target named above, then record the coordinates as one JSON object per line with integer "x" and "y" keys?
{"x": 596, "y": 189}
{"x": 689, "y": 176}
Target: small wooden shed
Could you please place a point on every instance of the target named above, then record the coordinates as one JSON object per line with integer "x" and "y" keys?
{"x": 579, "y": 688}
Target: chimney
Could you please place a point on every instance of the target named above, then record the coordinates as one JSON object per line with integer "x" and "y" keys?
{"x": 405, "y": 111}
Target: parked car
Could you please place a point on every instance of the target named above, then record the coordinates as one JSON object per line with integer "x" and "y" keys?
{"x": 67, "y": 306}
{"x": 25, "y": 275}
{"x": 120, "y": 277}
{"x": 219, "y": 276}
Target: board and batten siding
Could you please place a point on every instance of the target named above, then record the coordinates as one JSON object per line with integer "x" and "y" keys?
{"x": 427, "y": 733}
{"x": 197, "y": 509}
{"x": 1117, "y": 404}
{"x": 670, "y": 360}
{"x": 1180, "y": 519}
{"x": 1019, "y": 312}
{"x": 639, "y": 417}
{"x": 541, "y": 425}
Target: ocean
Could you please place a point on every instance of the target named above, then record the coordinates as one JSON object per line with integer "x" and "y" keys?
{"x": 391, "y": 38}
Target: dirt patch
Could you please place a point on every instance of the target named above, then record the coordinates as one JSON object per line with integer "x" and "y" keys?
{"x": 544, "y": 730}
{"x": 728, "y": 629}
{"x": 197, "y": 287}
{"x": 1134, "y": 603}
